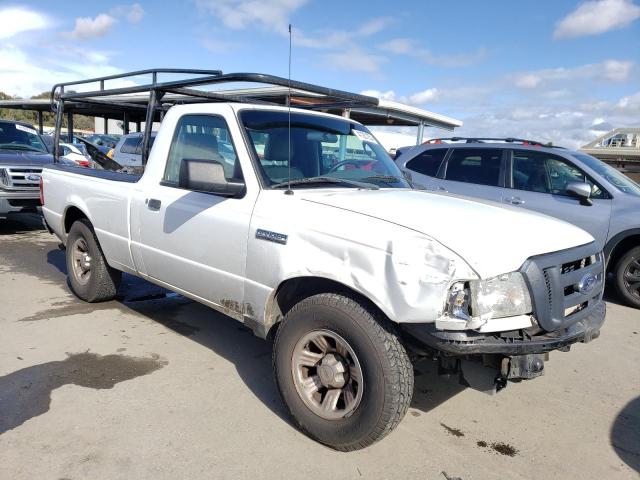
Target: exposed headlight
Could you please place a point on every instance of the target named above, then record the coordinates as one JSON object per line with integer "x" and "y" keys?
{"x": 506, "y": 295}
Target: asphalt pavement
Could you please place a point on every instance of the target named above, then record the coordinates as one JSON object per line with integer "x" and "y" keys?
{"x": 155, "y": 386}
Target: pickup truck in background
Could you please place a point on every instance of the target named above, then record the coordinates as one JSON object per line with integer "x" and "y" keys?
{"x": 304, "y": 229}
{"x": 23, "y": 153}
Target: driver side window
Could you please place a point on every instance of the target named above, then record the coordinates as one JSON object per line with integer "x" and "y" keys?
{"x": 202, "y": 137}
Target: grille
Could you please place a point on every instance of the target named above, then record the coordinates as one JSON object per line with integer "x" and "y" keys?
{"x": 565, "y": 286}
{"x": 18, "y": 178}
{"x": 547, "y": 282}
{"x": 578, "y": 264}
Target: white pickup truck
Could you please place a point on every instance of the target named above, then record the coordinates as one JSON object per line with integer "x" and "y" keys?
{"x": 298, "y": 224}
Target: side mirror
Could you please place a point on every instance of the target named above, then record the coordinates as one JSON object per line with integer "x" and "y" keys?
{"x": 207, "y": 176}
{"x": 582, "y": 191}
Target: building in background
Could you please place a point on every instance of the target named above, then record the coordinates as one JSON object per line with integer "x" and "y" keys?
{"x": 620, "y": 147}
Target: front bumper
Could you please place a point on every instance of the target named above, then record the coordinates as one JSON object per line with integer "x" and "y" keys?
{"x": 508, "y": 343}
{"x": 17, "y": 204}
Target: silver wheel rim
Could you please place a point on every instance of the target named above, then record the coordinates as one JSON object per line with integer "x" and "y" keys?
{"x": 327, "y": 374}
{"x": 632, "y": 277}
{"x": 81, "y": 261}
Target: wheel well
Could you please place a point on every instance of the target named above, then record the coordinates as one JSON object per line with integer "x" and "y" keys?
{"x": 622, "y": 247}
{"x": 72, "y": 214}
{"x": 293, "y": 290}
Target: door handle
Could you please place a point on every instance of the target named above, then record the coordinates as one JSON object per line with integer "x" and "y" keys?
{"x": 514, "y": 200}
{"x": 153, "y": 204}
{"x": 441, "y": 189}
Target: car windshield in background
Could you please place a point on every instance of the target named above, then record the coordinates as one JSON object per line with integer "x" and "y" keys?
{"x": 320, "y": 147}
{"x": 613, "y": 176}
{"x": 14, "y": 136}
{"x": 103, "y": 140}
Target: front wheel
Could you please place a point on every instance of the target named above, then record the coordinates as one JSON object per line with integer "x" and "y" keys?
{"x": 90, "y": 277}
{"x": 627, "y": 277}
{"x": 342, "y": 371}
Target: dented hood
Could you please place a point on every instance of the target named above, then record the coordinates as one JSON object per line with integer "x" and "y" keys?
{"x": 493, "y": 239}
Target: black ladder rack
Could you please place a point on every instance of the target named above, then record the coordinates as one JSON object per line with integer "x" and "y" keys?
{"x": 149, "y": 101}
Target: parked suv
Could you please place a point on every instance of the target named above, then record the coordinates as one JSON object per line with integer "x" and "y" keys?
{"x": 569, "y": 185}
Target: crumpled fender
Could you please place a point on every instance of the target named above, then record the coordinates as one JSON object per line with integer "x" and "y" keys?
{"x": 405, "y": 273}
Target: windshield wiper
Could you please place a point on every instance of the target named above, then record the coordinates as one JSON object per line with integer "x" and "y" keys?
{"x": 383, "y": 178}
{"x": 16, "y": 146}
{"x": 311, "y": 180}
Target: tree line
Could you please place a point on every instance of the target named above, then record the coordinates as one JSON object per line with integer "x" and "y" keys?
{"x": 80, "y": 122}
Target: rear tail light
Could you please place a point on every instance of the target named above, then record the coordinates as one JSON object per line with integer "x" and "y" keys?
{"x": 82, "y": 163}
{"x": 41, "y": 191}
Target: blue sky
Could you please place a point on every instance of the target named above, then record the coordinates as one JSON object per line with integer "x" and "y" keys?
{"x": 554, "y": 70}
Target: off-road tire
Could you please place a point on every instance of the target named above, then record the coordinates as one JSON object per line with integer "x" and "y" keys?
{"x": 103, "y": 282}
{"x": 619, "y": 270}
{"x": 386, "y": 369}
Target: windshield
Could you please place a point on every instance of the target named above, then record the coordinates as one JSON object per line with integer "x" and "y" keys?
{"x": 14, "y": 136}
{"x": 613, "y": 176}
{"x": 320, "y": 147}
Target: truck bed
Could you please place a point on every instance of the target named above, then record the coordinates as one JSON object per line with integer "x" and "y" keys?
{"x": 96, "y": 173}
{"x": 103, "y": 195}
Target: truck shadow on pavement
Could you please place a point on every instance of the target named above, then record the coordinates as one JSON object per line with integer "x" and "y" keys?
{"x": 235, "y": 342}
{"x": 20, "y": 223}
{"x": 625, "y": 434}
{"x": 26, "y": 393}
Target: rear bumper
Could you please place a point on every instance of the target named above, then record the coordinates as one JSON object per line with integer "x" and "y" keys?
{"x": 472, "y": 343}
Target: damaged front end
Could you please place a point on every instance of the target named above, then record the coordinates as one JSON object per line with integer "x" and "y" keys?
{"x": 502, "y": 329}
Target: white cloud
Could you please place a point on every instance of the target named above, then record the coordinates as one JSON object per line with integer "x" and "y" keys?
{"x": 25, "y": 75}
{"x": 135, "y": 13}
{"x": 567, "y": 118}
{"x": 374, "y": 26}
{"x": 595, "y": 17}
{"x": 272, "y": 15}
{"x": 425, "y": 96}
{"x": 631, "y": 102}
{"x": 407, "y": 46}
{"x": 87, "y": 27}
{"x": 15, "y": 20}
{"x": 339, "y": 39}
{"x": 570, "y": 124}
{"x": 132, "y": 13}
{"x": 418, "y": 98}
{"x": 398, "y": 46}
{"x": 354, "y": 59}
{"x": 388, "y": 95}
{"x": 608, "y": 70}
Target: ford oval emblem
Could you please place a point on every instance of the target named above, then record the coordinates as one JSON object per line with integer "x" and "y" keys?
{"x": 33, "y": 177}
{"x": 587, "y": 283}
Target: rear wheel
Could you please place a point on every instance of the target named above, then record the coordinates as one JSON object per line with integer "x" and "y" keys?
{"x": 90, "y": 277}
{"x": 627, "y": 277}
{"x": 342, "y": 371}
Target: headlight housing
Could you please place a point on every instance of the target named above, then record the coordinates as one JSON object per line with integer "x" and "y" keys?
{"x": 477, "y": 301}
{"x": 5, "y": 180}
{"x": 506, "y": 295}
